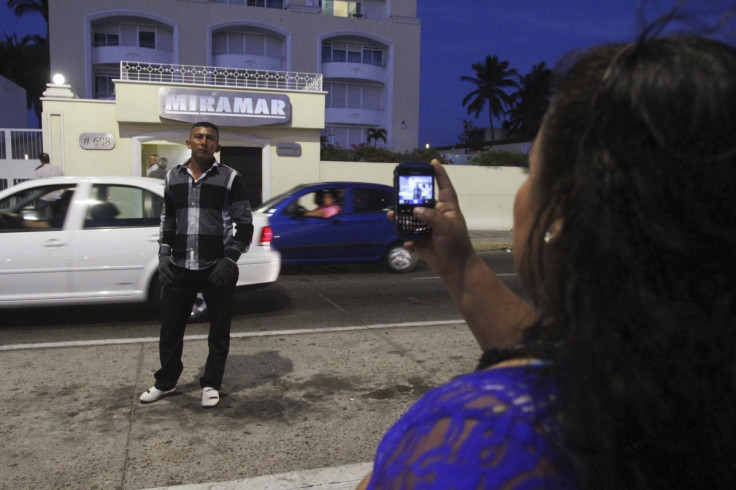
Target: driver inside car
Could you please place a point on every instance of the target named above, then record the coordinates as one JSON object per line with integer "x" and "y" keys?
{"x": 327, "y": 207}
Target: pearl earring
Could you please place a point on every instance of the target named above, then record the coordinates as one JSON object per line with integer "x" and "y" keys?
{"x": 547, "y": 237}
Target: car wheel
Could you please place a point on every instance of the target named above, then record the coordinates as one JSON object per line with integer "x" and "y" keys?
{"x": 400, "y": 259}
{"x": 199, "y": 310}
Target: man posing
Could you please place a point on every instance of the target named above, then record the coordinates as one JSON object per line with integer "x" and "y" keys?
{"x": 206, "y": 223}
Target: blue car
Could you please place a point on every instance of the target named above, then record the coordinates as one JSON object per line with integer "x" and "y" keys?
{"x": 337, "y": 222}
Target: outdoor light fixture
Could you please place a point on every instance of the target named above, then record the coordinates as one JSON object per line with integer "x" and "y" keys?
{"x": 403, "y": 124}
{"x": 427, "y": 146}
{"x": 58, "y": 89}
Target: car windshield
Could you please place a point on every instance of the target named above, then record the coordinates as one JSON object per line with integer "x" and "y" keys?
{"x": 264, "y": 207}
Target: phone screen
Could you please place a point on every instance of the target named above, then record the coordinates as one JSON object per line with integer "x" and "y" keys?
{"x": 416, "y": 190}
{"x": 413, "y": 186}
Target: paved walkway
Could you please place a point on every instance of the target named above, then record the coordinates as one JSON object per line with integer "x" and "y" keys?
{"x": 71, "y": 415}
{"x": 340, "y": 477}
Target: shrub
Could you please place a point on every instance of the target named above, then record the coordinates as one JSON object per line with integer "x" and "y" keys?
{"x": 500, "y": 159}
{"x": 367, "y": 153}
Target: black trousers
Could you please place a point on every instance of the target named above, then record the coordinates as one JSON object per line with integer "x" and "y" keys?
{"x": 176, "y": 306}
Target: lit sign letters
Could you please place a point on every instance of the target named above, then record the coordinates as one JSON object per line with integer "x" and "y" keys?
{"x": 227, "y": 108}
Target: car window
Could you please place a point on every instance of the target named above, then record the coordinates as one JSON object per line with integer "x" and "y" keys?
{"x": 122, "y": 206}
{"x": 39, "y": 208}
{"x": 370, "y": 200}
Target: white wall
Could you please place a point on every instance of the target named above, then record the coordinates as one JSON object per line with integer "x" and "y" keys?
{"x": 486, "y": 194}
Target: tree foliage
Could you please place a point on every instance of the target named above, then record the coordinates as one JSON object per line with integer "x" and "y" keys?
{"x": 492, "y": 78}
{"x": 375, "y": 134}
{"x": 23, "y": 7}
{"x": 366, "y": 153}
{"x": 495, "y": 158}
{"x": 531, "y": 101}
{"x": 26, "y": 62}
{"x": 524, "y": 99}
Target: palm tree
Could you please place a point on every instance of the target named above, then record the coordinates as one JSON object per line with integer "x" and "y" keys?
{"x": 22, "y": 7}
{"x": 376, "y": 134}
{"x": 531, "y": 101}
{"x": 33, "y": 52}
{"x": 491, "y": 79}
{"x": 26, "y": 64}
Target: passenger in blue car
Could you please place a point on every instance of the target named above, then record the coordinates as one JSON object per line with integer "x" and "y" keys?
{"x": 328, "y": 208}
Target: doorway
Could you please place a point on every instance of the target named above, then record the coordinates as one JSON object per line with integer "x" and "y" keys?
{"x": 248, "y": 162}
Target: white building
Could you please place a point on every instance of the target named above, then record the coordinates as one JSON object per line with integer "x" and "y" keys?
{"x": 338, "y": 68}
{"x": 367, "y": 51}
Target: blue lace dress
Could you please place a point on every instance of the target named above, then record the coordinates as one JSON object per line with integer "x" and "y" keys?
{"x": 488, "y": 429}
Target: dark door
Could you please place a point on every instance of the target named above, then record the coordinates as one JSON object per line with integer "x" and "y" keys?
{"x": 247, "y": 161}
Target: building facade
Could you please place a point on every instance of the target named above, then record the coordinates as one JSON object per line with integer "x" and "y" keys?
{"x": 367, "y": 51}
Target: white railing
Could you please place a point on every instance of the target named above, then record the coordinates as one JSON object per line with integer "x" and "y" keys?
{"x": 19, "y": 152}
{"x": 20, "y": 144}
{"x": 213, "y": 75}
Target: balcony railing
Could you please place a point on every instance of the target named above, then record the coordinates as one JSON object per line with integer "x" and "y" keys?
{"x": 221, "y": 76}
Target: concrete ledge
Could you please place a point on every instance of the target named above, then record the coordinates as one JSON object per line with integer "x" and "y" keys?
{"x": 337, "y": 478}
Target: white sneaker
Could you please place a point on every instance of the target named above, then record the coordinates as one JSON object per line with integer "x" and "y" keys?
{"x": 153, "y": 394}
{"x": 210, "y": 397}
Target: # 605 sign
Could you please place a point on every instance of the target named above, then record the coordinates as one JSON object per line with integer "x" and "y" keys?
{"x": 223, "y": 107}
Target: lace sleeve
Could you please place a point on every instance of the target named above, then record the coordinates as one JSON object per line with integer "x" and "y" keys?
{"x": 483, "y": 430}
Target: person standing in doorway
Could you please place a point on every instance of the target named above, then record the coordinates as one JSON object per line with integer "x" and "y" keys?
{"x": 206, "y": 224}
{"x": 152, "y": 164}
{"x": 47, "y": 169}
{"x": 160, "y": 171}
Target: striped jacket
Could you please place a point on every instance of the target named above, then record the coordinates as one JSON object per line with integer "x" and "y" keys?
{"x": 206, "y": 220}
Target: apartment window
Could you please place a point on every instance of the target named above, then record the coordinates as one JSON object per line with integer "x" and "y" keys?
{"x": 252, "y": 43}
{"x": 341, "y": 52}
{"x": 344, "y": 137}
{"x": 342, "y": 8}
{"x": 147, "y": 39}
{"x": 272, "y": 4}
{"x": 103, "y": 39}
{"x": 373, "y": 56}
{"x": 104, "y": 86}
{"x": 351, "y": 96}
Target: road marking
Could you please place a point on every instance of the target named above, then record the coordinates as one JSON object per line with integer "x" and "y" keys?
{"x": 240, "y": 335}
{"x": 505, "y": 274}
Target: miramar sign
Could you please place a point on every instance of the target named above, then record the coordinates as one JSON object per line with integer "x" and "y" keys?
{"x": 223, "y": 107}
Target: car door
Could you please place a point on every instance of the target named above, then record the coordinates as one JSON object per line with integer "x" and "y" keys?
{"x": 365, "y": 227}
{"x": 302, "y": 238}
{"x": 35, "y": 257}
{"x": 117, "y": 244}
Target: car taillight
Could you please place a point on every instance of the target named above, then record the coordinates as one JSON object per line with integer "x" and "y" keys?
{"x": 266, "y": 236}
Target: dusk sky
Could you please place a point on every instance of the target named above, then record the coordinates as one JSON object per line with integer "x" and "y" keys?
{"x": 457, "y": 34}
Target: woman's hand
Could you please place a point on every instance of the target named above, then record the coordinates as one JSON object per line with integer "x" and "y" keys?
{"x": 495, "y": 315}
{"x": 449, "y": 246}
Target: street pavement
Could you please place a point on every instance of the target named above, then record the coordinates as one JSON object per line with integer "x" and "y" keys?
{"x": 300, "y": 408}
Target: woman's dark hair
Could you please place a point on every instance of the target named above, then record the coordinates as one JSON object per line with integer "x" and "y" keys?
{"x": 638, "y": 290}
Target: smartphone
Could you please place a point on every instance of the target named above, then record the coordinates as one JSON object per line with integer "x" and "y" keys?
{"x": 413, "y": 186}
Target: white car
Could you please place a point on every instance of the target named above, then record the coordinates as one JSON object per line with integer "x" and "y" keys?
{"x": 94, "y": 240}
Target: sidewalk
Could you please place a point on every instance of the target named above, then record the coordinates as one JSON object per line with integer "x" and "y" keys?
{"x": 347, "y": 476}
{"x": 299, "y": 409}
{"x": 484, "y": 240}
